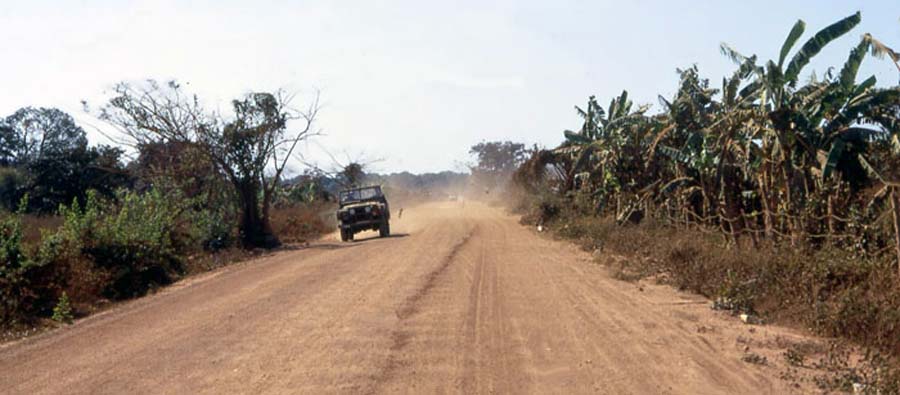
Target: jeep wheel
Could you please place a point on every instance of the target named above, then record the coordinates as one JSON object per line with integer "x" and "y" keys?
{"x": 346, "y": 235}
{"x": 385, "y": 229}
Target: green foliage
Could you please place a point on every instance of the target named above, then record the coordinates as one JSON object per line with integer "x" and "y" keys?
{"x": 815, "y": 44}
{"x": 760, "y": 158}
{"x": 496, "y": 161}
{"x": 352, "y": 175}
{"x": 249, "y": 151}
{"x": 45, "y": 154}
{"x": 26, "y": 284}
{"x": 14, "y": 265}
{"x": 800, "y": 172}
{"x": 59, "y": 178}
{"x": 117, "y": 248}
{"x": 12, "y": 185}
{"x": 135, "y": 240}
{"x": 213, "y": 229}
{"x": 62, "y": 312}
{"x": 36, "y": 133}
{"x": 791, "y": 39}
{"x": 851, "y": 67}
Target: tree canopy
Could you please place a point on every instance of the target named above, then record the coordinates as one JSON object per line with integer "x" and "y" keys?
{"x": 32, "y": 134}
{"x": 249, "y": 149}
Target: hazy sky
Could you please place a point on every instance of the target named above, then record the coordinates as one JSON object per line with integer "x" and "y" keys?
{"x": 413, "y": 82}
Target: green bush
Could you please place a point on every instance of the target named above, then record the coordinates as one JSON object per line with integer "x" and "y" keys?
{"x": 63, "y": 310}
{"x": 135, "y": 241}
{"x": 12, "y": 182}
{"x": 213, "y": 229}
{"x": 28, "y": 286}
{"x": 13, "y": 265}
{"x": 113, "y": 248}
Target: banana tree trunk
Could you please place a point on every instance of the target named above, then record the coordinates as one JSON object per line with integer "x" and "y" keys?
{"x": 789, "y": 203}
{"x": 895, "y": 211}
{"x": 766, "y": 206}
{"x": 831, "y": 225}
{"x": 733, "y": 210}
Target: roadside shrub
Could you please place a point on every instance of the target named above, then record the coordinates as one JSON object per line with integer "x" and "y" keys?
{"x": 27, "y": 286}
{"x": 132, "y": 241}
{"x": 14, "y": 264}
{"x": 302, "y": 222}
{"x": 539, "y": 209}
{"x": 63, "y": 310}
{"x": 213, "y": 230}
{"x": 82, "y": 281}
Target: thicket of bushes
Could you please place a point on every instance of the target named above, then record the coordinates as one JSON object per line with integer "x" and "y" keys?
{"x": 105, "y": 248}
{"x": 27, "y": 282}
{"x": 120, "y": 247}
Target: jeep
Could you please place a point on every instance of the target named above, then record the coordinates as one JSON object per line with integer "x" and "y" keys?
{"x": 362, "y": 209}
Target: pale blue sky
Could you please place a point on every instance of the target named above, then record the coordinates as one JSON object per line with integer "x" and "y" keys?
{"x": 413, "y": 82}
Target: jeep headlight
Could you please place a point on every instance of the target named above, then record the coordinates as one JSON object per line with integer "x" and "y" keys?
{"x": 368, "y": 209}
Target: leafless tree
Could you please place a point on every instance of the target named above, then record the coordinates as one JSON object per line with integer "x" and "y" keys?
{"x": 250, "y": 149}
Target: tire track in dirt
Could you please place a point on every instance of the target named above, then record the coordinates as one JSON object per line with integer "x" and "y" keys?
{"x": 493, "y": 354}
{"x": 409, "y": 307}
{"x": 401, "y": 336}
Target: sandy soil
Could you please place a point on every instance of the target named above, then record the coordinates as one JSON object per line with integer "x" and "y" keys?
{"x": 461, "y": 300}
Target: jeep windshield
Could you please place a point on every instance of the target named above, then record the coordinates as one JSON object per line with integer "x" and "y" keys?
{"x": 358, "y": 195}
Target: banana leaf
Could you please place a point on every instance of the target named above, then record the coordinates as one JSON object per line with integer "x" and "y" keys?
{"x": 791, "y": 39}
{"x": 815, "y": 44}
{"x": 576, "y": 138}
{"x": 834, "y": 155}
{"x": 851, "y": 67}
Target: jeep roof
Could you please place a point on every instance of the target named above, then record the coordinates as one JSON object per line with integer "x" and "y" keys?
{"x": 362, "y": 194}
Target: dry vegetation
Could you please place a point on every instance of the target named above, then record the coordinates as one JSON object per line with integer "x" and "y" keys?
{"x": 773, "y": 197}
{"x": 83, "y": 226}
{"x": 826, "y": 291}
{"x": 303, "y": 223}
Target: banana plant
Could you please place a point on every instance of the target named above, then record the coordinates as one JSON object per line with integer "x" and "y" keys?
{"x": 772, "y": 89}
{"x": 768, "y": 141}
{"x": 604, "y": 137}
{"x": 838, "y": 118}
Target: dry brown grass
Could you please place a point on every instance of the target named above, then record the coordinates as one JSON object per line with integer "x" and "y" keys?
{"x": 828, "y": 291}
{"x": 33, "y": 225}
{"x": 301, "y": 223}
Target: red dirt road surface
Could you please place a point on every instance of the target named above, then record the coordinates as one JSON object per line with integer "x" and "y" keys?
{"x": 462, "y": 299}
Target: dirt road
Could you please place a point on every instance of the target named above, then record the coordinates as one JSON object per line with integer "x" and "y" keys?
{"x": 461, "y": 300}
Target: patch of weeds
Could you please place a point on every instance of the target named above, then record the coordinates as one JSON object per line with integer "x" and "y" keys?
{"x": 62, "y": 312}
{"x": 754, "y": 358}
{"x": 794, "y": 357}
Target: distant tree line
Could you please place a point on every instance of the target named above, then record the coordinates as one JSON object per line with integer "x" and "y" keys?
{"x": 496, "y": 161}
{"x": 45, "y": 154}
